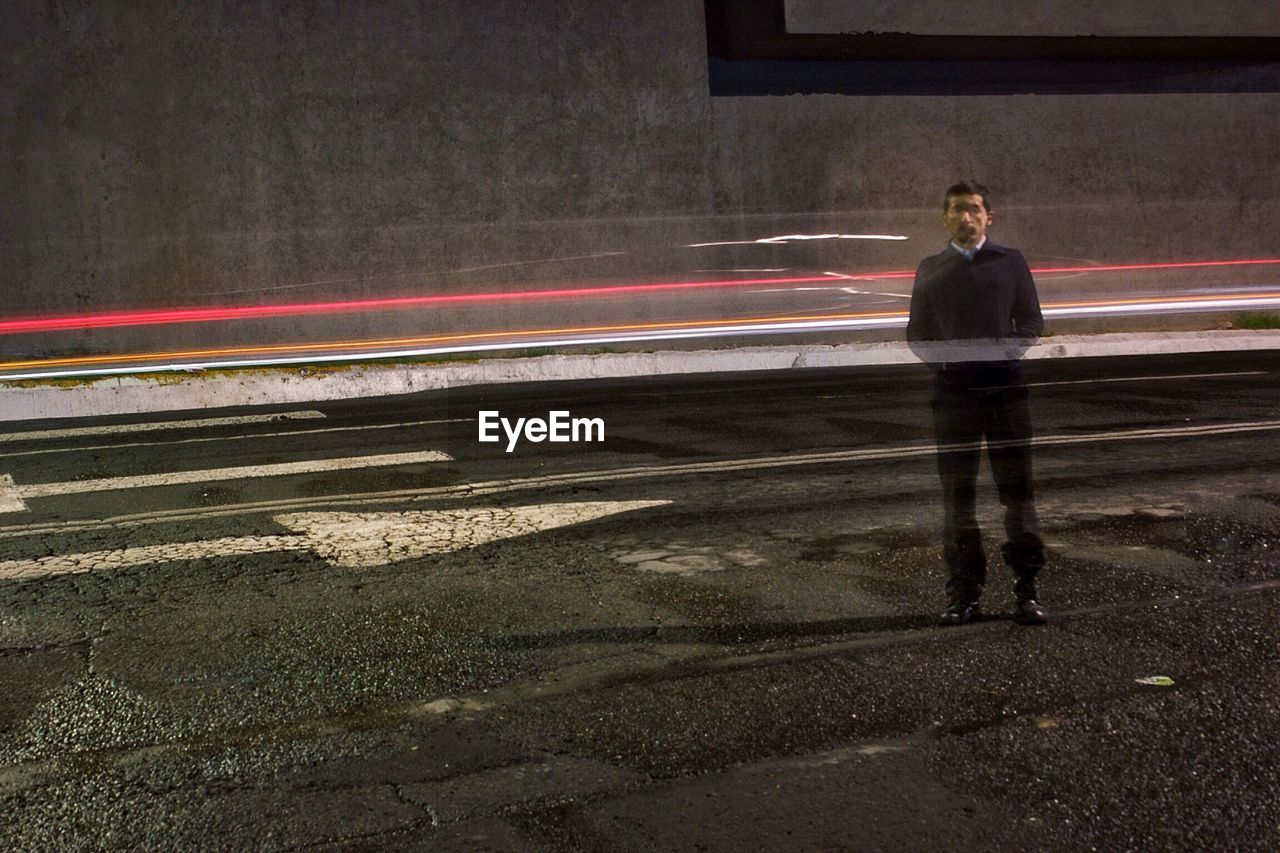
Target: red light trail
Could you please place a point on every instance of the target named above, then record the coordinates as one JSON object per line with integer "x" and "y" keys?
{"x": 331, "y": 351}
{"x": 165, "y": 316}
{"x": 251, "y": 312}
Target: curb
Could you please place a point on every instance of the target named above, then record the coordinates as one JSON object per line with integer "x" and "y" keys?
{"x": 262, "y": 387}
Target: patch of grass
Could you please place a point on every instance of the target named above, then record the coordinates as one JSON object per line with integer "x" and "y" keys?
{"x": 1256, "y": 320}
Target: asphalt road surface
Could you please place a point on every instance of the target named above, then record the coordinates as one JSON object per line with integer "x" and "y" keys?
{"x": 356, "y": 626}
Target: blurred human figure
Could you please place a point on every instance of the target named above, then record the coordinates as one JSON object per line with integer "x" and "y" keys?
{"x": 974, "y": 308}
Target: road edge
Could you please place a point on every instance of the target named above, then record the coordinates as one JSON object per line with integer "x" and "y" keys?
{"x": 283, "y": 386}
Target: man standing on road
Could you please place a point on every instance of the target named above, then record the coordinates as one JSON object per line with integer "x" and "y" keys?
{"x": 974, "y": 289}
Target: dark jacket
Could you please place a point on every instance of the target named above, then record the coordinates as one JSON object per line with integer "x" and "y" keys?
{"x": 992, "y": 296}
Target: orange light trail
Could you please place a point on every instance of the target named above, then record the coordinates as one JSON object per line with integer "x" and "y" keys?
{"x": 255, "y": 312}
{"x": 388, "y": 347}
{"x": 531, "y": 334}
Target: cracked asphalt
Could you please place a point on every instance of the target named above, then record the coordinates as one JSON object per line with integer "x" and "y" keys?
{"x": 735, "y": 648}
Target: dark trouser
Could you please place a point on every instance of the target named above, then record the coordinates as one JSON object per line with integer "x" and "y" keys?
{"x": 962, "y": 419}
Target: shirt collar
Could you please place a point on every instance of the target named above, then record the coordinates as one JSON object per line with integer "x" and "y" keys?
{"x": 969, "y": 253}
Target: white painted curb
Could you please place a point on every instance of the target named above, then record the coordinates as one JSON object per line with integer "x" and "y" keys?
{"x": 259, "y": 387}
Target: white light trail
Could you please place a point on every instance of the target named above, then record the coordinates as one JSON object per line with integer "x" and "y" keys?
{"x": 533, "y": 341}
{"x": 1162, "y": 307}
{"x": 787, "y": 238}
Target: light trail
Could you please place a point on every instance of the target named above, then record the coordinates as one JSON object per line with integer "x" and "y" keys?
{"x": 117, "y": 319}
{"x": 528, "y": 337}
{"x": 787, "y": 238}
{"x": 497, "y": 341}
{"x": 1178, "y": 265}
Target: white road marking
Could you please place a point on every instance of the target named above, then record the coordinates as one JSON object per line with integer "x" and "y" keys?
{"x": 148, "y": 555}
{"x": 346, "y": 539}
{"x": 240, "y": 437}
{"x": 151, "y": 426}
{"x": 13, "y": 495}
{"x": 9, "y": 499}
{"x": 1095, "y": 381}
{"x": 844, "y": 456}
{"x": 359, "y": 540}
{"x": 1149, "y": 378}
{"x": 490, "y": 487}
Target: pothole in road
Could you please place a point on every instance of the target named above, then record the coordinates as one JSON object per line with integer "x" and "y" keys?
{"x": 1209, "y": 536}
{"x": 687, "y": 560}
{"x": 1145, "y": 558}
{"x": 1102, "y": 512}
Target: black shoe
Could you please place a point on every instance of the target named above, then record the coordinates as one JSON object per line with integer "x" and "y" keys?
{"x": 961, "y": 612}
{"x": 1030, "y": 611}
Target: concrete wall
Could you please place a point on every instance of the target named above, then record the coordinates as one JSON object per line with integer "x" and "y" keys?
{"x": 159, "y": 153}
{"x": 209, "y": 152}
{"x": 1041, "y": 18}
{"x": 1115, "y": 178}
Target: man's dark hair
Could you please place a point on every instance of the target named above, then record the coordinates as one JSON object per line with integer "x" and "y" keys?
{"x": 966, "y": 188}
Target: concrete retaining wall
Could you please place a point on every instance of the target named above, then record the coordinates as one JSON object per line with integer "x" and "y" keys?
{"x": 136, "y": 394}
{"x": 245, "y": 152}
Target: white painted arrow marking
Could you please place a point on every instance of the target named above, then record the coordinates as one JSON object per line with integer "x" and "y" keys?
{"x": 346, "y": 539}
{"x": 10, "y": 500}
{"x": 361, "y": 539}
{"x": 13, "y": 497}
{"x": 91, "y": 561}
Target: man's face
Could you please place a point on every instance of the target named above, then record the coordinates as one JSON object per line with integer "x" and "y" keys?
{"x": 966, "y": 219}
